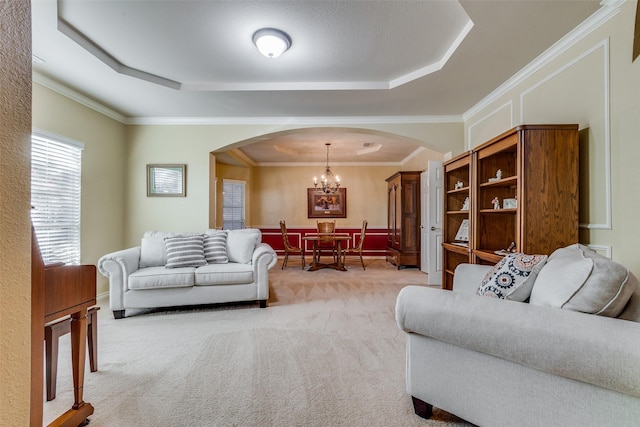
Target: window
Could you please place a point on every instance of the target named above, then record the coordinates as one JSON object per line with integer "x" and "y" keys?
{"x": 55, "y": 197}
{"x": 233, "y": 204}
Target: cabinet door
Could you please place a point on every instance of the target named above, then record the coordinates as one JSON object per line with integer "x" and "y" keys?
{"x": 391, "y": 214}
{"x": 409, "y": 207}
{"x": 396, "y": 242}
{"x": 549, "y": 218}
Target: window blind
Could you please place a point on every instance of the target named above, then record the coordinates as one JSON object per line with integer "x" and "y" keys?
{"x": 167, "y": 180}
{"x": 55, "y": 198}
{"x": 233, "y": 204}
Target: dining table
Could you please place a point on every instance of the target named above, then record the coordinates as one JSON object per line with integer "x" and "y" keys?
{"x": 327, "y": 237}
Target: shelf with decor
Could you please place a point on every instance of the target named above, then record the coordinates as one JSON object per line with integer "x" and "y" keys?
{"x": 522, "y": 193}
{"x": 456, "y": 230}
{"x": 525, "y": 197}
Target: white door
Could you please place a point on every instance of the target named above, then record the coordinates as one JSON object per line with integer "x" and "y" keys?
{"x": 431, "y": 222}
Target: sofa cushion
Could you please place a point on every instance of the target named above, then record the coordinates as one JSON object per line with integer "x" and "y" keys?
{"x": 160, "y": 277}
{"x": 232, "y": 273}
{"x": 152, "y": 251}
{"x": 215, "y": 247}
{"x": 185, "y": 251}
{"x": 241, "y": 244}
{"x": 513, "y": 277}
{"x": 577, "y": 278}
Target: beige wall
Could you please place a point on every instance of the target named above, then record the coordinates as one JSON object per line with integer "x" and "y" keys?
{"x": 593, "y": 83}
{"x": 15, "y": 226}
{"x": 281, "y": 192}
{"x": 103, "y": 170}
{"x": 192, "y": 145}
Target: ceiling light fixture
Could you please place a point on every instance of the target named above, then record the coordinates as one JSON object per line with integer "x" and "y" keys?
{"x": 271, "y": 42}
{"x": 327, "y": 181}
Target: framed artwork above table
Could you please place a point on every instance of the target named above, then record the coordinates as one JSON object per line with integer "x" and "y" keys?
{"x": 323, "y": 205}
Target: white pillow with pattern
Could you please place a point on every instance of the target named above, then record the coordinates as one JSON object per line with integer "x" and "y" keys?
{"x": 513, "y": 277}
{"x": 215, "y": 247}
{"x": 185, "y": 251}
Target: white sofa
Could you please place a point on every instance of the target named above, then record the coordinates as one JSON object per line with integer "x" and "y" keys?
{"x": 551, "y": 362}
{"x": 178, "y": 269}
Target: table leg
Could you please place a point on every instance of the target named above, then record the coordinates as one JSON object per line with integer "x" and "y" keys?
{"x": 340, "y": 264}
{"x": 314, "y": 264}
{"x": 78, "y": 353}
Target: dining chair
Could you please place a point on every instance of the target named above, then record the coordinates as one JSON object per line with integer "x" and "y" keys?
{"x": 356, "y": 250}
{"x": 288, "y": 248}
{"x": 326, "y": 230}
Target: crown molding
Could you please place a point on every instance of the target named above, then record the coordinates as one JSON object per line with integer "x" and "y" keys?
{"x": 66, "y": 91}
{"x": 608, "y": 9}
{"x": 336, "y": 120}
{"x": 314, "y": 164}
{"x": 74, "y": 95}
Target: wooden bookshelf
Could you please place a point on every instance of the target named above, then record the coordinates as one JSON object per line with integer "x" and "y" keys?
{"x": 537, "y": 165}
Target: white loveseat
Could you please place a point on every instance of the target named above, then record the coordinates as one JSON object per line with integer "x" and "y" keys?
{"x": 178, "y": 269}
{"x": 549, "y": 362}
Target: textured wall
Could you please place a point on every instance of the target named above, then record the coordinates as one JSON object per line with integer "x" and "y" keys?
{"x": 15, "y": 251}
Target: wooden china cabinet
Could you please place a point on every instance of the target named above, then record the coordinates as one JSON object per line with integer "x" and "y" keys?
{"x": 403, "y": 219}
{"x": 523, "y": 193}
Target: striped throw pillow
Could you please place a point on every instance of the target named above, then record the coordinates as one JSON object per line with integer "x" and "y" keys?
{"x": 185, "y": 251}
{"x": 215, "y": 248}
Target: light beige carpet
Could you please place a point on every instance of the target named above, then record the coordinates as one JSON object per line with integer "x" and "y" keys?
{"x": 326, "y": 352}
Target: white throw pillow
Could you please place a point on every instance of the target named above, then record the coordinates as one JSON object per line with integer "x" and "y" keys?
{"x": 513, "y": 277}
{"x": 215, "y": 247}
{"x": 579, "y": 279}
{"x": 152, "y": 249}
{"x": 185, "y": 251}
{"x": 241, "y": 244}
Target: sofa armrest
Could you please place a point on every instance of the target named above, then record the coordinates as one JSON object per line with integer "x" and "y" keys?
{"x": 117, "y": 266}
{"x": 598, "y": 350}
{"x": 266, "y": 253}
{"x": 263, "y": 259}
{"x": 467, "y": 277}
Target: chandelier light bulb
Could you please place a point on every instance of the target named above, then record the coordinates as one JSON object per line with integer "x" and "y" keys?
{"x": 329, "y": 183}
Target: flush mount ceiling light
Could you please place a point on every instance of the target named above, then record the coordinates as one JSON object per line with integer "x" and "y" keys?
{"x": 271, "y": 42}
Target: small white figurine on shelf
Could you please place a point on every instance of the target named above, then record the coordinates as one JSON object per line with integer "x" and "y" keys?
{"x": 499, "y": 174}
{"x": 465, "y": 204}
{"x": 496, "y": 203}
{"x": 459, "y": 184}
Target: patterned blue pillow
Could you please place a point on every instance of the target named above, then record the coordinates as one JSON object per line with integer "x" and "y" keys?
{"x": 513, "y": 277}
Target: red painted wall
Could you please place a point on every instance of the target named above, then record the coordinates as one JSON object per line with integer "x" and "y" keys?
{"x": 375, "y": 242}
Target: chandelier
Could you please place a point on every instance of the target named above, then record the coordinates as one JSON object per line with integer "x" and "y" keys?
{"x": 328, "y": 182}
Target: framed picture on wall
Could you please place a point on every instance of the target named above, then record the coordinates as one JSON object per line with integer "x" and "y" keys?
{"x": 321, "y": 205}
{"x": 166, "y": 180}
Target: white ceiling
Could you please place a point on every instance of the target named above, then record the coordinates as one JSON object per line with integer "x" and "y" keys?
{"x": 187, "y": 60}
